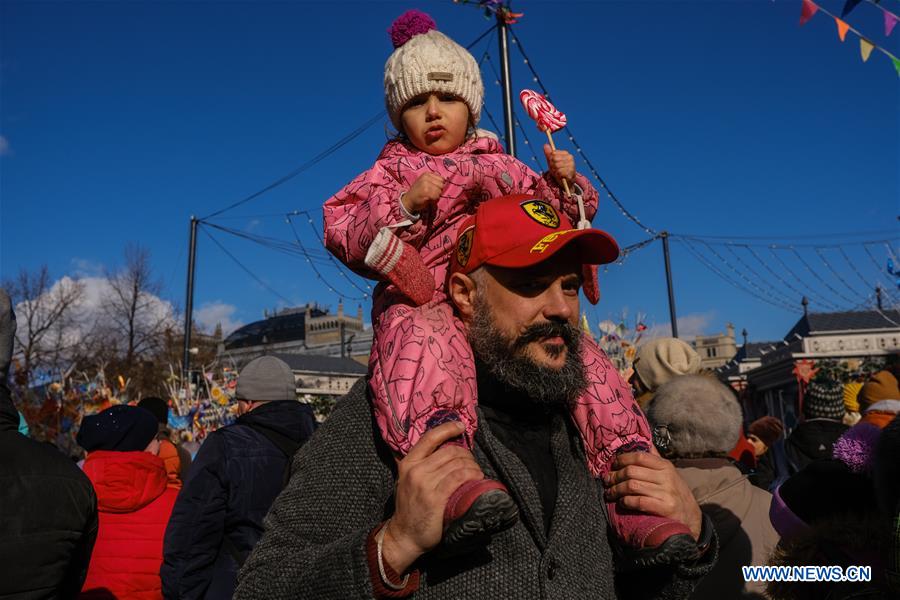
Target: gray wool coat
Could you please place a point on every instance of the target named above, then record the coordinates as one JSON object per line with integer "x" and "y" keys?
{"x": 341, "y": 488}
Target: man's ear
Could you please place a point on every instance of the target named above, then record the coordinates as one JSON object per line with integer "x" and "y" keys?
{"x": 462, "y": 293}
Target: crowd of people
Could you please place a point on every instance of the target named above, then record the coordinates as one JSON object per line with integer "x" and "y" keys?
{"x": 493, "y": 450}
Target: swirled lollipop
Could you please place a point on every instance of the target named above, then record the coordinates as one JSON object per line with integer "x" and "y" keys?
{"x": 547, "y": 117}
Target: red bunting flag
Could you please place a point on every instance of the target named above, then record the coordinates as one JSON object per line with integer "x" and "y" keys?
{"x": 865, "y": 48}
{"x": 842, "y": 28}
{"x": 807, "y": 11}
{"x": 889, "y": 21}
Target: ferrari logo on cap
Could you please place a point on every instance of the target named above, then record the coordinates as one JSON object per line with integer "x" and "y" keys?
{"x": 541, "y": 212}
{"x": 464, "y": 246}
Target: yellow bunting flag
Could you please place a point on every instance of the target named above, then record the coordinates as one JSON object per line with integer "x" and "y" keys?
{"x": 865, "y": 48}
{"x": 842, "y": 28}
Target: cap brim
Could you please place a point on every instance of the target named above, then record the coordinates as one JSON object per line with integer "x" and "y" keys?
{"x": 596, "y": 247}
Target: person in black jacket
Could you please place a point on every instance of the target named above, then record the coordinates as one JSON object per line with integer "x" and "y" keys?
{"x": 48, "y": 509}
{"x": 813, "y": 439}
{"x": 235, "y": 477}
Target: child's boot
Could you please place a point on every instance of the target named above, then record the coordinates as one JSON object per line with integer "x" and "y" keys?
{"x": 650, "y": 540}
{"x": 477, "y": 509}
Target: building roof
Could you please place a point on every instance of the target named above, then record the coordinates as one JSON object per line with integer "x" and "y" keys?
{"x": 323, "y": 364}
{"x": 748, "y": 351}
{"x": 861, "y": 320}
{"x": 284, "y": 327}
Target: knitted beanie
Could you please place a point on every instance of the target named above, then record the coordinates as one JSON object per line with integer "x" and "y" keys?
{"x": 882, "y": 386}
{"x": 767, "y": 429}
{"x": 426, "y": 60}
{"x": 851, "y": 393}
{"x": 700, "y": 417}
{"x": 661, "y": 359}
{"x": 824, "y": 399}
{"x": 123, "y": 428}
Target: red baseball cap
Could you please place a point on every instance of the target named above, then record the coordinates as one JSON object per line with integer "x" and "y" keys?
{"x": 521, "y": 231}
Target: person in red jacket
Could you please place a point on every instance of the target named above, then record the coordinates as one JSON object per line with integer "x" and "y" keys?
{"x": 134, "y": 503}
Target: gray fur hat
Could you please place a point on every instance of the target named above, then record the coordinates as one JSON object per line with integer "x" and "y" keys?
{"x": 694, "y": 415}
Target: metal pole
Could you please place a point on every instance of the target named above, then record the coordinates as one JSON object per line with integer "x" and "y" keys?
{"x": 506, "y": 83}
{"x": 878, "y": 296}
{"x": 665, "y": 243}
{"x": 189, "y": 304}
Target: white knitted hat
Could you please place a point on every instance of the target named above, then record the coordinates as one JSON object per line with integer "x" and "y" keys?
{"x": 426, "y": 60}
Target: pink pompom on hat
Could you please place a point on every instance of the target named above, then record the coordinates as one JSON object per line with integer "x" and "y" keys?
{"x": 425, "y": 60}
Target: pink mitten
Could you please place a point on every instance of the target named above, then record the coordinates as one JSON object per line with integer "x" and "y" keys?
{"x": 402, "y": 265}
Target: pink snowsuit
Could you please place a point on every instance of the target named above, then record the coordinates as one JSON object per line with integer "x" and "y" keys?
{"x": 421, "y": 360}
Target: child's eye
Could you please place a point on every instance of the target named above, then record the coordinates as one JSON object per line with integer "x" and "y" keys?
{"x": 419, "y": 101}
{"x": 449, "y": 98}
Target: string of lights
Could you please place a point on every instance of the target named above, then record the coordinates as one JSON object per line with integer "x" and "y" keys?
{"x": 518, "y": 124}
{"x": 853, "y": 267}
{"x": 318, "y": 273}
{"x": 627, "y": 251}
{"x": 700, "y": 258}
{"x": 337, "y": 264}
{"x": 785, "y": 282}
{"x": 305, "y": 166}
{"x": 773, "y": 289}
{"x": 820, "y": 278}
{"x": 811, "y": 293}
{"x": 749, "y": 281}
{"x": 727, "y": 240}
{"x": 840, "y": 278}
{"x": 571, "y": 137}
{"x": 325, "y": 153}
{"x": 283, "y": 246}
{"x": 253, "y": 275}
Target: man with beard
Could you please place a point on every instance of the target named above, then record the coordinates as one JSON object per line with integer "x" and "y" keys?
{"x": 354, "y": 522}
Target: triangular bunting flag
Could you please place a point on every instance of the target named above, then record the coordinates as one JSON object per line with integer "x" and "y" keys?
{"x": 865, "y": 48}
{"x": 807, "y": 11}
{"x": 896, "y": 64}
{"x": 889, "y": 21}
{"x": 842, "y": 28}
{"x": 850, "y": 5}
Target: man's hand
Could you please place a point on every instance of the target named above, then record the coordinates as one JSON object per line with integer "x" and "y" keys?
{"x": 424, "y": 192}
{"x": 648, "y": 483}
{"x": 426, "y": 478}
{"x": 561, "y": 163}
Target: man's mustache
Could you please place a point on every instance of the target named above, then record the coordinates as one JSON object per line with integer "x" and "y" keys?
{"x": 568, "y": 332}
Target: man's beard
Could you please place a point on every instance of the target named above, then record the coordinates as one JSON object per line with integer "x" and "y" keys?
{"x": 508, "y": 360}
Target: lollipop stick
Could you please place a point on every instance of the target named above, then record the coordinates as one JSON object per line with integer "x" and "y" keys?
{"x": 553, "y": 147}
{"x": 583, "y": 223}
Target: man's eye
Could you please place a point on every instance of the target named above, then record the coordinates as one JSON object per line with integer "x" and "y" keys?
{"x": 571, "y": 287}
{"x": 530, "y": 286}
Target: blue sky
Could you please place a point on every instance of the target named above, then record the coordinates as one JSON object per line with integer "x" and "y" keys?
{"x": 119, "y": 120}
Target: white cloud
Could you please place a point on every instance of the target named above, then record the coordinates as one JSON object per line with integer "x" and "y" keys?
{"x": 83, "y": 267}
{"x": 689, "y": 327}
{"x": 4, "y": 146}
{"x": 211, "y": 313}
{"x": 88, "y": 314}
